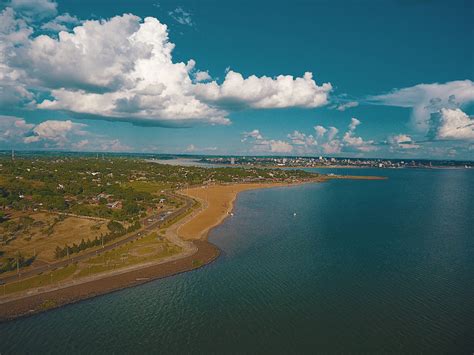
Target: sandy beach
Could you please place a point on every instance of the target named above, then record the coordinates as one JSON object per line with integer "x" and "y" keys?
{"x": 217, "y": 202}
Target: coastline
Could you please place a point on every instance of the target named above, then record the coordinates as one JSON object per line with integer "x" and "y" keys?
{"x": 197, "y": 252}
{"x": 190, "y": 233}
{"x": 219, "y": 202}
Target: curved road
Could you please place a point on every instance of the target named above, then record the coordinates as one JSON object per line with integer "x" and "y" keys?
{"x": 40, "y": 269}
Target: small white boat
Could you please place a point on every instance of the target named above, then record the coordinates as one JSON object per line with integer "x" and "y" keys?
{"x": 294, "y": 214}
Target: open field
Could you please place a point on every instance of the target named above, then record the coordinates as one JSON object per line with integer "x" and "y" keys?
{"x": 43, "y": 280}
{"x": 150, "y": 248}
{"x": 42, "y": 232}
{"x": 154, "y": 188}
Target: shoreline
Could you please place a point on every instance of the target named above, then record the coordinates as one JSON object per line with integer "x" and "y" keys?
{"x": 217, "y": 203}
{"x": 197, "y": 252}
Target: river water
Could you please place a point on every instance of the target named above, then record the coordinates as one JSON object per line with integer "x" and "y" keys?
{"x": 363, "y": 266}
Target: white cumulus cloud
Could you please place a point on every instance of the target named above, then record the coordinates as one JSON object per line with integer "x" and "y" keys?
{"x": 263, "y": 145}
{"x": 425, "y": 99}
{"x": 350, "y": 140}
{"x": 66, "y": 134}
{"x": 255, "y": 134}
{"x": 265, "y": 92}
{"x": 14, "y": 32}
{"x": 451, "y": 124}
{"x": 123, "y": 69}
{"x": 278, "y": 146}
{"x": 402, "y": 141}
{"x": 301, "y": 139}
{"x": 61, "y": 23}
{"x": 325, "y": 140}
{"x": 13, "y": 128}
{"x": 55, "y": 131}
{"x": 35, "y": 9}
{"x": 202, "y": 76}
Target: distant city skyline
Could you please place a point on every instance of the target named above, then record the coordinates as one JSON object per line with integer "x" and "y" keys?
{"x": 363, "y": 79}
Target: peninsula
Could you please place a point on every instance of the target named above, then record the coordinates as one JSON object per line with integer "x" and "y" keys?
{"x": 74, "y": 228}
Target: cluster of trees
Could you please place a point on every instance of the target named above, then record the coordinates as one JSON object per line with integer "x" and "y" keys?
{"x": 116, "y": 230}
{"x": 11, "y": 264}
{"x": 72, "y": 183}
{"x": 9, "y": 229}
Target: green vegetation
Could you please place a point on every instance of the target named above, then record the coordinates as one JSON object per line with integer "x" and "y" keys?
{"x": 116, "y": 229}
{"x": 146, "y": 249}
{"x": 44, "y": 279}
{"x": 113, "y": 188}
{"x": 149, "y": 187}
{"x": 121, "y": 190}
{"x": 20, "y": 261}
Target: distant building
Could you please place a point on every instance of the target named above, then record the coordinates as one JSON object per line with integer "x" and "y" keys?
{"x": 115, "y": 205}
{"x": 232, "y": 161}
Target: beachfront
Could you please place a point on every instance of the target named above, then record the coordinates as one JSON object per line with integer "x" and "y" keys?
{"x": 188, "y": 232}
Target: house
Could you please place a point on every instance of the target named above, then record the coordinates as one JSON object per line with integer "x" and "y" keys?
{"x": 100, "y": 196}
{"x": 115, "y": 205}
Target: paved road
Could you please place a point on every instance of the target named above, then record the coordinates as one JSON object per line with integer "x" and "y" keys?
{"x": 153, "y": 225}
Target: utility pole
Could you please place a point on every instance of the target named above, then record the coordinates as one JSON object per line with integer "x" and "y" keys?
{"x": 13, "y": 154}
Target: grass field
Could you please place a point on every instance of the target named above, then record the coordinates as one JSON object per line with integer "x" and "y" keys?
{"x": 45, "y": 279}
{"x": 44, "y": 231}
{"x": 146, "y": 186}
{"x": 153, "y": 247}
{"x": 146, "y": 249}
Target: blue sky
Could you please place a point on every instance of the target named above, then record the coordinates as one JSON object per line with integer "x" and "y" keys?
{"x": 388, "y": 78}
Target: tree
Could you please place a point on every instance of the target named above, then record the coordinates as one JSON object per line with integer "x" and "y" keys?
{"x": 116, "y": 227}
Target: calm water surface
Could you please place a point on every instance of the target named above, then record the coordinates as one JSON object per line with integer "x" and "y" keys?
{"x": 364, "y": 266}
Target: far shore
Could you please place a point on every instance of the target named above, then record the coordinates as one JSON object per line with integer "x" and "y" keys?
{"x": 216, "y": 203}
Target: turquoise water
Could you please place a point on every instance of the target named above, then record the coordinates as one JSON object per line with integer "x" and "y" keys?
{"x": 364, "y": 266}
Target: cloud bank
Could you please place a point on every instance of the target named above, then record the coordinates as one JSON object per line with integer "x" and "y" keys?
{"x": 55, "y": 134}
{"x": 426, "y": 99}
{"x": 123, "y": 69}
{"x": 325, "y": 140}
